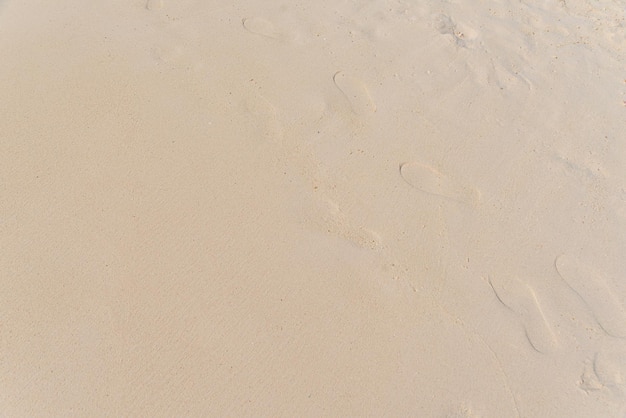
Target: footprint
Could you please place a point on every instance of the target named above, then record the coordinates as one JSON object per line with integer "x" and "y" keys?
{"x": 520, "y": 298}
{"x": 428, "y": 180}
{"x": 589, "y": 381}
{"x": 596, "y": 293}
{"x": 333, "y": 221}
{"x": 607, "y": 370}
{"x": 583, "y": 171}
{"x": 461, "y": 412}
{"x": 463, "y": 35}
{"x": 356, "y": 92}
{"x": 154, "y": 4}
{"x": 609, "y": 366}
{"x": 262, "y": 27}
{"x": 504, "y": 77}
{"x": 167, "y": 53}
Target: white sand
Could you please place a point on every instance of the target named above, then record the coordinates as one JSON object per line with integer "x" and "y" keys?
{"x": 322, "y": 208}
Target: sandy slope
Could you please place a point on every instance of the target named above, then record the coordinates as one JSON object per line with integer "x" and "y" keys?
{"x": 348, "y": 208}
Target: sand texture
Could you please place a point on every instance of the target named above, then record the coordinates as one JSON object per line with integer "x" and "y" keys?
{"x": 308, "y": 209}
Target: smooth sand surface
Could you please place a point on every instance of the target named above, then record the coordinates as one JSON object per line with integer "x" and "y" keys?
{"x": 315, "y": 208}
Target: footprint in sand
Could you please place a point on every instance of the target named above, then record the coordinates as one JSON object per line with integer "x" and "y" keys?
{"x": 520, "y": 298}
{"x": 589, "y": 380}
{"x": 595, "y": 292}
{"x": 167, "y": 53}
{"x": 609, "y": 366}
{"x": 463, "y": 35}
{"x": 461, "y": 412}
{"x": 607, "y": 370}
{"x": 356, "y": 92}
{"x": 332, "y": 220}
{"x": 428, "y": 180}
{"x": 263, "y": 27}
{"x": 154, "y": 4}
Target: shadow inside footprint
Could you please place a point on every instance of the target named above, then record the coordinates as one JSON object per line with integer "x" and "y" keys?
{"x": 328, "y": 217}
{"x": 356, "y": 92}
{"x": 520, "y": 298}
{"x": 429, "y": 180}
{"x": 595, "y": 292}
{"x": 154, "y": 5}
{"x": 260, "y": 26}
{"x": 610, "y": 367}
{"x": 463, "y": 35}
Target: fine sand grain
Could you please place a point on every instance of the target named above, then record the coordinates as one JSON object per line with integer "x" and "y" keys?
{"x": 346, "y": 208}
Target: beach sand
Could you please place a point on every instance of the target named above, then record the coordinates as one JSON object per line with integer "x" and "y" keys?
{"x": 348, "y": 208}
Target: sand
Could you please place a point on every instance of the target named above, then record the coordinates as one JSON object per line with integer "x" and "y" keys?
{"x": 346, "y": 208}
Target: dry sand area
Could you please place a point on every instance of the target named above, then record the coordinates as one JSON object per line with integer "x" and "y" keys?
{"x": 313, "y": 208}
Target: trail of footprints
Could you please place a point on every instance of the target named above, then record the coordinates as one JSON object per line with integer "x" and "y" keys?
{"x": 515, "y": 295}
{"x": 607, "y": 369}
{"x": 325, "y": 214}
{"x": 589, "y": 285}
{"x": 421, "y": 177}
